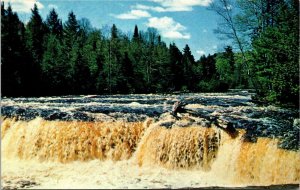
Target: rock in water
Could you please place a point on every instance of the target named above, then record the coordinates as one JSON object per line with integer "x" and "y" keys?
{"x": 178, "y": 107}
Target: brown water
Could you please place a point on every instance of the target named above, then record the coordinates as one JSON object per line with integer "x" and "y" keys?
{"x": 76, "y": 154}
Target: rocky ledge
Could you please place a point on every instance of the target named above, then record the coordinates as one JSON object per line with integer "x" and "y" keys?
{"x": 226, "y": 110}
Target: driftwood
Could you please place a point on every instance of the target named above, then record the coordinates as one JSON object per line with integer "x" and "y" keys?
{"x": 227, "y": 126}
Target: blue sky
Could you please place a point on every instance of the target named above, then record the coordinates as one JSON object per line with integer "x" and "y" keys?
{"x": 180, "y": 21}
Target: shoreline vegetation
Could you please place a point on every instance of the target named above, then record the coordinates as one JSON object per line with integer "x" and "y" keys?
{"x": 48, "y": 57}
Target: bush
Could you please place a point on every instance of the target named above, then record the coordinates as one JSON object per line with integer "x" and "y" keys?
{"x": 212, "y": 85}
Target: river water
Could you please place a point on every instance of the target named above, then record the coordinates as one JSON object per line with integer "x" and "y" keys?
{"x": 132, "y": 141}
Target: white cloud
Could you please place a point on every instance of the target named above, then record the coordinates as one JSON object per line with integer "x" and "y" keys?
{"x": 176, "y": 35}
{"x": 174, "y": 5}
{"x": 162, "y": 9}
{"x": 200, "y": 52}
{"x": 151, "y": 8}
{"x": 24, "y": 5}
{"x": 204, "y": 31}
{"x": 52, "y": 6}
{"x": 215, "y": 47}
{"x": 133, "y": 14}
{"x": 168, "y": 28}
{"x": 183, "y": 3}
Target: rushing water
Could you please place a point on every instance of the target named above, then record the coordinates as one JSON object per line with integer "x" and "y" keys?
{"x": 137, "y": 133}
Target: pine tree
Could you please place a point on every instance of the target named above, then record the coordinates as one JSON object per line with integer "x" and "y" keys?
{"x": 93, "y": 54}
{"x": 135, "y": 34}
{"x": 114, "y": 32}
{"x": 135, "y": 53}
{"x": 176, "y": 67}
{"x": 71, "y": 49}
{"x": 13, "y": 53}
{"x": 112, "y": 66}
{"x": 162, "y": 76}
{"x": 54, "y": 24}
{"x": 70, "y": 31}
{"x": 126, "y": 84}
{"x": 187, "y": 62}
{"x": 53, "y": 67}
{"x": 35, "y": 32}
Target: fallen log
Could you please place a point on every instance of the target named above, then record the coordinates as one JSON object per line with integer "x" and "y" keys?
{"x": 220, "y": 122}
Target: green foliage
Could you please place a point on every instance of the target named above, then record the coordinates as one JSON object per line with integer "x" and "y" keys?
{"x": 54, "y": 24}
{"x": 212, "y": 85}
{"x": 267, "y": 36}
{"x": 52, "y": 65}
{"x": 176, "y": 73}
{"x": 135, "y": 34}
{"x": 225, "y": 66}
{"x": 188, "y": 63}
{"x": 35, "y": 32}
{"x": 276, "y": 57}
{"x": 74, "y": 58}
{"x": 52, "y": 58}
{"x": 16, "y": 62}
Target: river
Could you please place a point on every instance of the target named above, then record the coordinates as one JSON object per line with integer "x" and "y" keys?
{"x": 132, "y": 141}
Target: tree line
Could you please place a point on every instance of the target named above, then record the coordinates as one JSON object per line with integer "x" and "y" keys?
{"x": 54, "y": 58}
{"x": 49, "y": 57}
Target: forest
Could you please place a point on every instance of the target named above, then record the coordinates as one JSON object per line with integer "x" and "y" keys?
{"x": 49, "y": 57}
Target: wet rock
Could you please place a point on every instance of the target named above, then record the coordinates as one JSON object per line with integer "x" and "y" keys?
{"x": 249, "y": 137}
{"x": 56, "y": 116}
{"x": 26, "y": 183}
{"x": 167, "y": 124}
{"x": 18, "y": 184}
{"x": 205, "y": 124}
{"x": 290, "y": 139}
{"x": 234, "y": 110}
{"x": 82, "y": 117}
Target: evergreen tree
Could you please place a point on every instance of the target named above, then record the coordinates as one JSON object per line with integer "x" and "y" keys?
{"x": 13, "y": 59}
{"x": 135, "y": 33}
{"x": 210, "y": 79}
{"x": 112, "y": 67}
{"x": 53, "y": 67}
{"x": 176, "y": 67}
{"x": 54, "y": 24}
{"x": 53, "y": 63}
{"x": 128, "y": 77}
{"x": 94, "y": 52}
{"x": 35, "y": 33}
{"x": 71, "y": 49}
{"x": 114, "y": 32}
{"x": 71, "y": 29}
{"x": 162, "y": 76}
{"x": 135, "y": 53}
{"x": 188, "y": 62}
{"x": 82, "y": 75}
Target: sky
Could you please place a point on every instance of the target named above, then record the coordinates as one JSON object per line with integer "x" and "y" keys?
{"x": 179, "y": 21}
